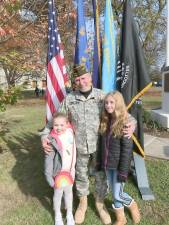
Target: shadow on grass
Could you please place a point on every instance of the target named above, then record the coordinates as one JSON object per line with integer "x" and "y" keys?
{"x": 28, "y": 170}
{"x": 30, "y": 94}
{"x": 28, "y": 173}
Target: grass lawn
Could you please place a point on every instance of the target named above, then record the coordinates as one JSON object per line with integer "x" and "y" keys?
{"x": 152, "y": 98}
{"x": 26, "y": 199}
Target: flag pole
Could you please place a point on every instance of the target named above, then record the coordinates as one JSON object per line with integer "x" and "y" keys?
{"x": 167, "y": 39}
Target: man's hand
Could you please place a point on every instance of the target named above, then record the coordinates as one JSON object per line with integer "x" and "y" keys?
{"x": 46, "y": 146}
{"x": 129, "y": 129}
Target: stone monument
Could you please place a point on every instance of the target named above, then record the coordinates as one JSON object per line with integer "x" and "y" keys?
{"x": 162, "y": 115}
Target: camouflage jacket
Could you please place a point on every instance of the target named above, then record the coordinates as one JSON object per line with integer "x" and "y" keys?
{"x": 84, "y": 115}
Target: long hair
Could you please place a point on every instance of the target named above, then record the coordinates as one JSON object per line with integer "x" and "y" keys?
{"x": 116, "y": 121}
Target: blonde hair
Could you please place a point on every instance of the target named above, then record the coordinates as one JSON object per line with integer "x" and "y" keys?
{"x": 118, "y": 117}
{"x": 59, "y": 115}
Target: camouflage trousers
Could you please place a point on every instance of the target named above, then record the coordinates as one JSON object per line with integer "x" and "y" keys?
{"x": 84, "y": 163}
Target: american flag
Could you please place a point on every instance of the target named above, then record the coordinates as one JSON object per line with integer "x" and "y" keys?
{"x": 56, "y": 70}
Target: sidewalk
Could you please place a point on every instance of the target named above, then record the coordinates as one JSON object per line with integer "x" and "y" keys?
{"x": 156, "y": 147}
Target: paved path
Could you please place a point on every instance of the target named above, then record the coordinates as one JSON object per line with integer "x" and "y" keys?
{"x": 156, "y": 147}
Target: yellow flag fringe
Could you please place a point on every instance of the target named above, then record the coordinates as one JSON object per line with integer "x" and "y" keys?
{"x": 130, "y": 104}
{"x": 139, "y": 95}
{"x": 138, "y": 145}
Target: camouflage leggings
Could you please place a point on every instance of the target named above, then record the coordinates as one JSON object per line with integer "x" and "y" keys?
{"x": 83, "y": 163}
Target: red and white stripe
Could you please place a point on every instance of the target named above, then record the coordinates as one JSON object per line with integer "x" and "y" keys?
{"x": 56, "y": 79}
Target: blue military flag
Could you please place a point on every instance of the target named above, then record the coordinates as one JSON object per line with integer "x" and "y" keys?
{"x": 81, "y": 48}
{"x": 109, "y": 51}
{"x": 96, "y": 77}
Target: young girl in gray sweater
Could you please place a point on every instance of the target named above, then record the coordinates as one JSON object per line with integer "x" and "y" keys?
{"x": 60, "y": 166}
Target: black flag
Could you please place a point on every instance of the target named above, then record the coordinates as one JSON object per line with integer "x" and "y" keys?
{"x": 132, "y": 76}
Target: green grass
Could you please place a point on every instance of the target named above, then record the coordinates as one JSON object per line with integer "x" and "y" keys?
{"x": 151, "y": 102}
{"x": 26, "y": 199}
{"x": 27, "y": 94}
{"x": 152, "y": 98}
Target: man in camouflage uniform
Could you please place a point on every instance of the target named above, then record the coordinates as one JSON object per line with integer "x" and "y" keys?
{"x": 83, "y": 108}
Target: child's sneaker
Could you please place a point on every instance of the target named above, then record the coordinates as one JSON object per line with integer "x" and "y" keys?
{"x": 70, "y": 220}
{"x": 59, "y": 220}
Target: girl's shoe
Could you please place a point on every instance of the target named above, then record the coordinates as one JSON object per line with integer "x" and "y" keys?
{"x": 59, "y": 220}
{"x": 70, "y": 220}
{"x": 120, "y": 216}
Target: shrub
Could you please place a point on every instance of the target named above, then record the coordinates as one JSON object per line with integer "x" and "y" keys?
{"x": 149, "y": 123}
{"x": 8, "y": 96}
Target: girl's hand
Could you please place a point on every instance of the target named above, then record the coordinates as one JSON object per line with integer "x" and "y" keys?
{"x": 121, "y": 177}
{"x": 128, "y": 130}
{"x": 46, "y": 146}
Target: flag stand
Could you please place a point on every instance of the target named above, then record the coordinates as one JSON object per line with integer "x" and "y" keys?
{"x": 141, "y": 177}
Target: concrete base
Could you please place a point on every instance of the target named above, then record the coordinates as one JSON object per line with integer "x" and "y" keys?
{"x": 142, "y": 179}
{"x": 161, "y": 117}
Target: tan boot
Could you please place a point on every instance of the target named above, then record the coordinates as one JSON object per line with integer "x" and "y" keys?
{"x": 120, "y": 216}
{"x": 81, "y": 210}
{"x": 135, "y": 213}
{"x": 102, "y": 211}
